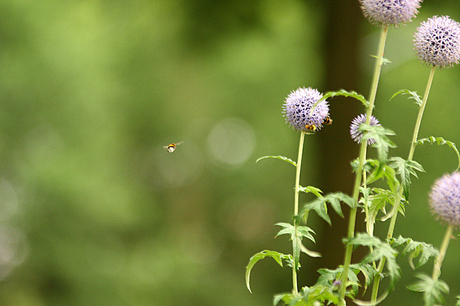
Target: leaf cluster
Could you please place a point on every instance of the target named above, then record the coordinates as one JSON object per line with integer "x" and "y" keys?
{"x": 414, "y": 249}
{"x": 379, "y": 250}
{"x": 432, "y": 289}
{"x": 319, "y": 205}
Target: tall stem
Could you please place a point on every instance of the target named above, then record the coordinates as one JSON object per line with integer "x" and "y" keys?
{"x": 412, "y": 148}
{"x": 297, "y": 173}
{"x": 442, "y": 253}
{"x": 295, "y": 289}
{"x": 362, "y": 160}
{"x": 394, "y": 212}
{"x": 420, "y": 112}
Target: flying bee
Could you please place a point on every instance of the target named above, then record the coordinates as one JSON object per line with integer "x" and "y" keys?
{"x": 327, "y": 121}
{"x": 310, "y": 127}
{"x": 172, "y": 146}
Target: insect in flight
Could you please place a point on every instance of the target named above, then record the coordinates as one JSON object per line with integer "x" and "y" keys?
{"x": 172, "y": 146}
{"x": 310, "y": 127}
{"x": 327, "y": 121}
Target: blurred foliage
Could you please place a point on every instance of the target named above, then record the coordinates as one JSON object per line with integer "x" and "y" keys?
{"x": 93, "y": 210}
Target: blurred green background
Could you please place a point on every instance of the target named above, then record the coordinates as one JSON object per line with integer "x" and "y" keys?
{"x": 94, "y": 211}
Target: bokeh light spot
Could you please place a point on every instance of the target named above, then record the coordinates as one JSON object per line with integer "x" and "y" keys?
{"x": 231, "y": 142}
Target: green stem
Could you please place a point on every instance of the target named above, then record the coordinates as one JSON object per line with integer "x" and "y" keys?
{"x": 394, "y": 212}
{"x": 442, "y": 253}
{"x": 296, "y": 208}
{"x": 297, "y": 174}
{"x": 362, "y": 159}
{"x": 420, "y": 113}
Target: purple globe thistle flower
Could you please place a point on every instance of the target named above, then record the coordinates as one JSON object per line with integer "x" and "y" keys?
{"x": 390, "y": 12}
{"x": 356, "y": 134}
{"x": 445, "y": 198}
{"x": 437, "y": 41}
{"x": 297, "y": 109}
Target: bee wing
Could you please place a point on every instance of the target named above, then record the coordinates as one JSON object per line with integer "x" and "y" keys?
{"x": 178, "y": 143}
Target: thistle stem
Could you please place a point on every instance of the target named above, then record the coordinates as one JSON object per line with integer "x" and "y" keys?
{"x": 394, "y": 212}
{"x": 362, "y": 160}
{"x": 412, "y": 149}
{"x": 295, "y": 289}
{"x": 297, "y": 174}
{"x": 442, "y": 253}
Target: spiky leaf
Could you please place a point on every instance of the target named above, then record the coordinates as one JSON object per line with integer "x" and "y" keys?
{"x": 329, "y": 277}
{"x": 379, "y": 251}
{"x": 379, "y": 170}
{"x": 432, "y": 289}
{"x": 413, "y": 95}
{"x": 378, "y": 200}
{"x": 405, "y": 168}
{"x": 319, "y": 205}
{"x": 380, "y": 135}
{"x": 278, "y": 257}
{"x": 441, "y": 141}
{"x": 319, "y": 294}
{"x": 296, "y": 234}
{"x": 342, "y": 93}
{"x": 415, "y": 249}
{"x": 283, "y": 158}
{"x": 316, "y": 191}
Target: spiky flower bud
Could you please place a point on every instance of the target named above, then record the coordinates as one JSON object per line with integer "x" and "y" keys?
{"x": 445, "y": 198}
{"x": 356, "y": 134}
{"x": 437, "y": 42}
{"x": 297, "y": 109}
{"x": 390, "y": 12}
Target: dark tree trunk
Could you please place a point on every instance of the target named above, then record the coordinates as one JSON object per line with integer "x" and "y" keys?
{"x": 337, "y": 149}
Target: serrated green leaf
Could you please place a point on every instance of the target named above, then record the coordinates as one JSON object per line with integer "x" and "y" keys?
{"x": 405, "y": 168}
{"x": 432, "y": 289}
{"x": 283, "y": 158}
{"x": 379, "y": 250}
{"x": 379, "y": 170}
{"x": 380, "y": 135}
{"x": 319, "y": 294}
{"x": 278, "y": 257}
{"x": 316, "y": 191}
{"x": 319, "y": 205}
{"x": 362, "y": 239}
{"x": 413, "y": 95}
{"x": 287, "y": 229}
{"x": 328, "y": 277}
{"x": 296, "y": 250}
{"x": 379, "y": 198}
{"x": 367, "y": 270}
{"x": 415, "y": 249}
{"x": 343, "y": 93}
{"x": 441, "y": 141}
{"x": 305, "y": 231}
{"x": 289, "y": 299}
{"x": 285, "y": 297}
{"x": 297, "y": 233}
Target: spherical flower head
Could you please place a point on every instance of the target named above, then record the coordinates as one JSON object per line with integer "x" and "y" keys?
{"x": 297, "y": 109}
{"x": 390, "y": 12}
{"x": 356, "y": 134}
{"x": 437, "y": 42}
{"x": 445, "y": 198}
